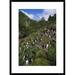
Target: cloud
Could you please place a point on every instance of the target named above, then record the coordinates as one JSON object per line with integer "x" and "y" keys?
{"x": 45, "y": 14}
{"x": 31, "y": 16}
{"x": 48, "y": 12}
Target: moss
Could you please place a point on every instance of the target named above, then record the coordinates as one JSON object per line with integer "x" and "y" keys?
{"x": 40, "y": 61}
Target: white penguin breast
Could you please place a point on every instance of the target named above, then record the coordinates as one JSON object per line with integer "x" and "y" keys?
{"x": 27, "y": 61}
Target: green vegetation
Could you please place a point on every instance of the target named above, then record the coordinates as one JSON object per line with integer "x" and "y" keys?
{"x": 37, "y": 41}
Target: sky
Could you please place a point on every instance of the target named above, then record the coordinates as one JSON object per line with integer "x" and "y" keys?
{"x": 38, "y": 14}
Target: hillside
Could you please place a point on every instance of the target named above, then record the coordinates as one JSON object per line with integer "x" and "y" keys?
{"x": 37, "y": 41}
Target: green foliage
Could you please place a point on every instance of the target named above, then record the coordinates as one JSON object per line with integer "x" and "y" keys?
{"x": 40, "y": 61}
{"x": 52, "y": 55}
{"x": 52, "y": 19}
